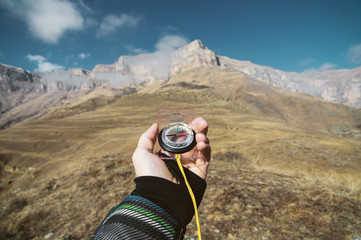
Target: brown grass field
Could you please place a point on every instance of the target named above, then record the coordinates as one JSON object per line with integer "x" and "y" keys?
{"x": 271, "y": 177}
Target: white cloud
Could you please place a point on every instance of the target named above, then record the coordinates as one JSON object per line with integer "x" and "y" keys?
{"x": 83, "y": 55}
{"x": 134, "y": 50}
{"x": 156, "y": 64}
{"x": 326, "y": 67}
{"x": 111, "y": 23}
{"x": 170, "y": 42}
{"x": 353, "y": 54}
{"x": 43, "y": 64}
{"x": 47, "y": 20}
{"x": 306, "y": 62}
{"x": 322, "y": 68}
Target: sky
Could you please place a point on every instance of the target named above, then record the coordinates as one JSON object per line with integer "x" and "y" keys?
{"x": 295, "y": 36}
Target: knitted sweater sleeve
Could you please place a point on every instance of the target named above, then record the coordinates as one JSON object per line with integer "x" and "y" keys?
{"x": 137, "y": 218}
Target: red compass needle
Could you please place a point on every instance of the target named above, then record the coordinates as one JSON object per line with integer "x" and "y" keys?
{"x": 179, "y": 134}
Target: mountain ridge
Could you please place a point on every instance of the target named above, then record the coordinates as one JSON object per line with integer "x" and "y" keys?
{"x": 137, "y": 72}
{"x": 339, "y": 86}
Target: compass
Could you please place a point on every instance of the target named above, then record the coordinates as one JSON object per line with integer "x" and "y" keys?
{"x": 177, "y": 137}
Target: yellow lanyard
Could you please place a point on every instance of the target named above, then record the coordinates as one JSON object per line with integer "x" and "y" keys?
{"x": 178, "y": 157}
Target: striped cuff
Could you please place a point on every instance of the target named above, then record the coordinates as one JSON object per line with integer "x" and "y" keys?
{"x": 137, "y": 218}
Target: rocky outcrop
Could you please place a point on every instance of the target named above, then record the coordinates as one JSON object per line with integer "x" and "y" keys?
{"x": 24, "y": 94}
{"x": 160, "y": 65}
{"x": 192, "y": 55}
{"x": 15, "y": 83}
{"x": 338, "y": 86}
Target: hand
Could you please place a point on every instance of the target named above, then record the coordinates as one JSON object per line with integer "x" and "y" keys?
{"x": 146, "y": 163}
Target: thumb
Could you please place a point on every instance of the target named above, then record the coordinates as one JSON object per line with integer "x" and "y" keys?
{"x": 148, "y": 139}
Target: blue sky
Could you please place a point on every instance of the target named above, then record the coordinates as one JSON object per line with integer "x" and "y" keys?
{"x": 298, "y": 36}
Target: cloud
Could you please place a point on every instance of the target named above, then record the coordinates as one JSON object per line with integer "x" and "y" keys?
{"x": 170, "y": 42}
{"x": 137, "y": 69}
{"x": 67, "y": 79}
{"x": 43, "y": 64}
{"x": 324, "y": 67}
{"x": 47, "y": 20}
{"x": 83, "y": 55}
{"x": 111, "y": 23}
{"x": 306, "y": 62}
{"x": 156, "y": 64}
{"x": 134, "y": 50}
{"x": 164, "y": 45}
{"x": 353, "y": 54}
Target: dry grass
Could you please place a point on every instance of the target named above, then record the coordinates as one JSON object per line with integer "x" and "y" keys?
{"x": 70, "y": 206}
{"x": 241, "y": 202}
{"x": 268, "y": 178}
{"x": 244, "y": 203}
{"x": 331, "y": 162}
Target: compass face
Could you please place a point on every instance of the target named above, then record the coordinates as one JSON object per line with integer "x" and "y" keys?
{"x": 177, "y": 138}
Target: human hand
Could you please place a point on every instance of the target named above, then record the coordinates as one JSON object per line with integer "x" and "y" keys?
{"x": 146, "y": 163}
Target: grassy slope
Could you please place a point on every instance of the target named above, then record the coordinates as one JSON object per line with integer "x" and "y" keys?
{"x": 268, "y": 178}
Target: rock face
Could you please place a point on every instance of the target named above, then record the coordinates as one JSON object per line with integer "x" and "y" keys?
{"x": 160, "y": 65}
{"x": 24, "y": 95}
{"x": 338, "y": 86}
{"x": 15, "y": 84}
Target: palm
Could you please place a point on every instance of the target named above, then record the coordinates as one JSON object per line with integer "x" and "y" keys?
{"x": 146, "y": 163}
{"x": 197, "y": 166}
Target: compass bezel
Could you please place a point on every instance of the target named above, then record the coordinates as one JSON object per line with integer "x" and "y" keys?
{"x": 167, "y": 145}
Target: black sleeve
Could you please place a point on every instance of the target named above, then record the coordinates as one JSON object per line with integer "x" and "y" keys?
{"x": 137, "y": 218}
{"x": 154, "y": 202}
{"x": 173, "y": 198}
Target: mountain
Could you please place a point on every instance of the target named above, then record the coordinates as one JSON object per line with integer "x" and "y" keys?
{"x": 160, "y": 65}
{"x": 26, "y": 96}
{"x": 33, "y": 98}
{"x": 15, "y": 83}
{"x": 338, "y": 86}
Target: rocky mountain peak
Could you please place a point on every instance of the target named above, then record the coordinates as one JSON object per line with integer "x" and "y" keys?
{"x": 195, "y": 45}
{"x": 161, "y": 64}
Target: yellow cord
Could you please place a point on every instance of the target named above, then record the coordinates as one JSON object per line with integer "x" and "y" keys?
{"x": 178, "y": 157}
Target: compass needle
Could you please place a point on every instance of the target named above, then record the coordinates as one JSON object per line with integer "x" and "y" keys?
{"x": 177, "y": 137}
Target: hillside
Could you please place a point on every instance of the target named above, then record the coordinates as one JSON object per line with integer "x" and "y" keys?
{"x": 284, "y": 165}
{"x": 258, "y": 98}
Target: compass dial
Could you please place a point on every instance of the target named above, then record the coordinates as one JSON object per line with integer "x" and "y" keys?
{"x": 177, "y": 138}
